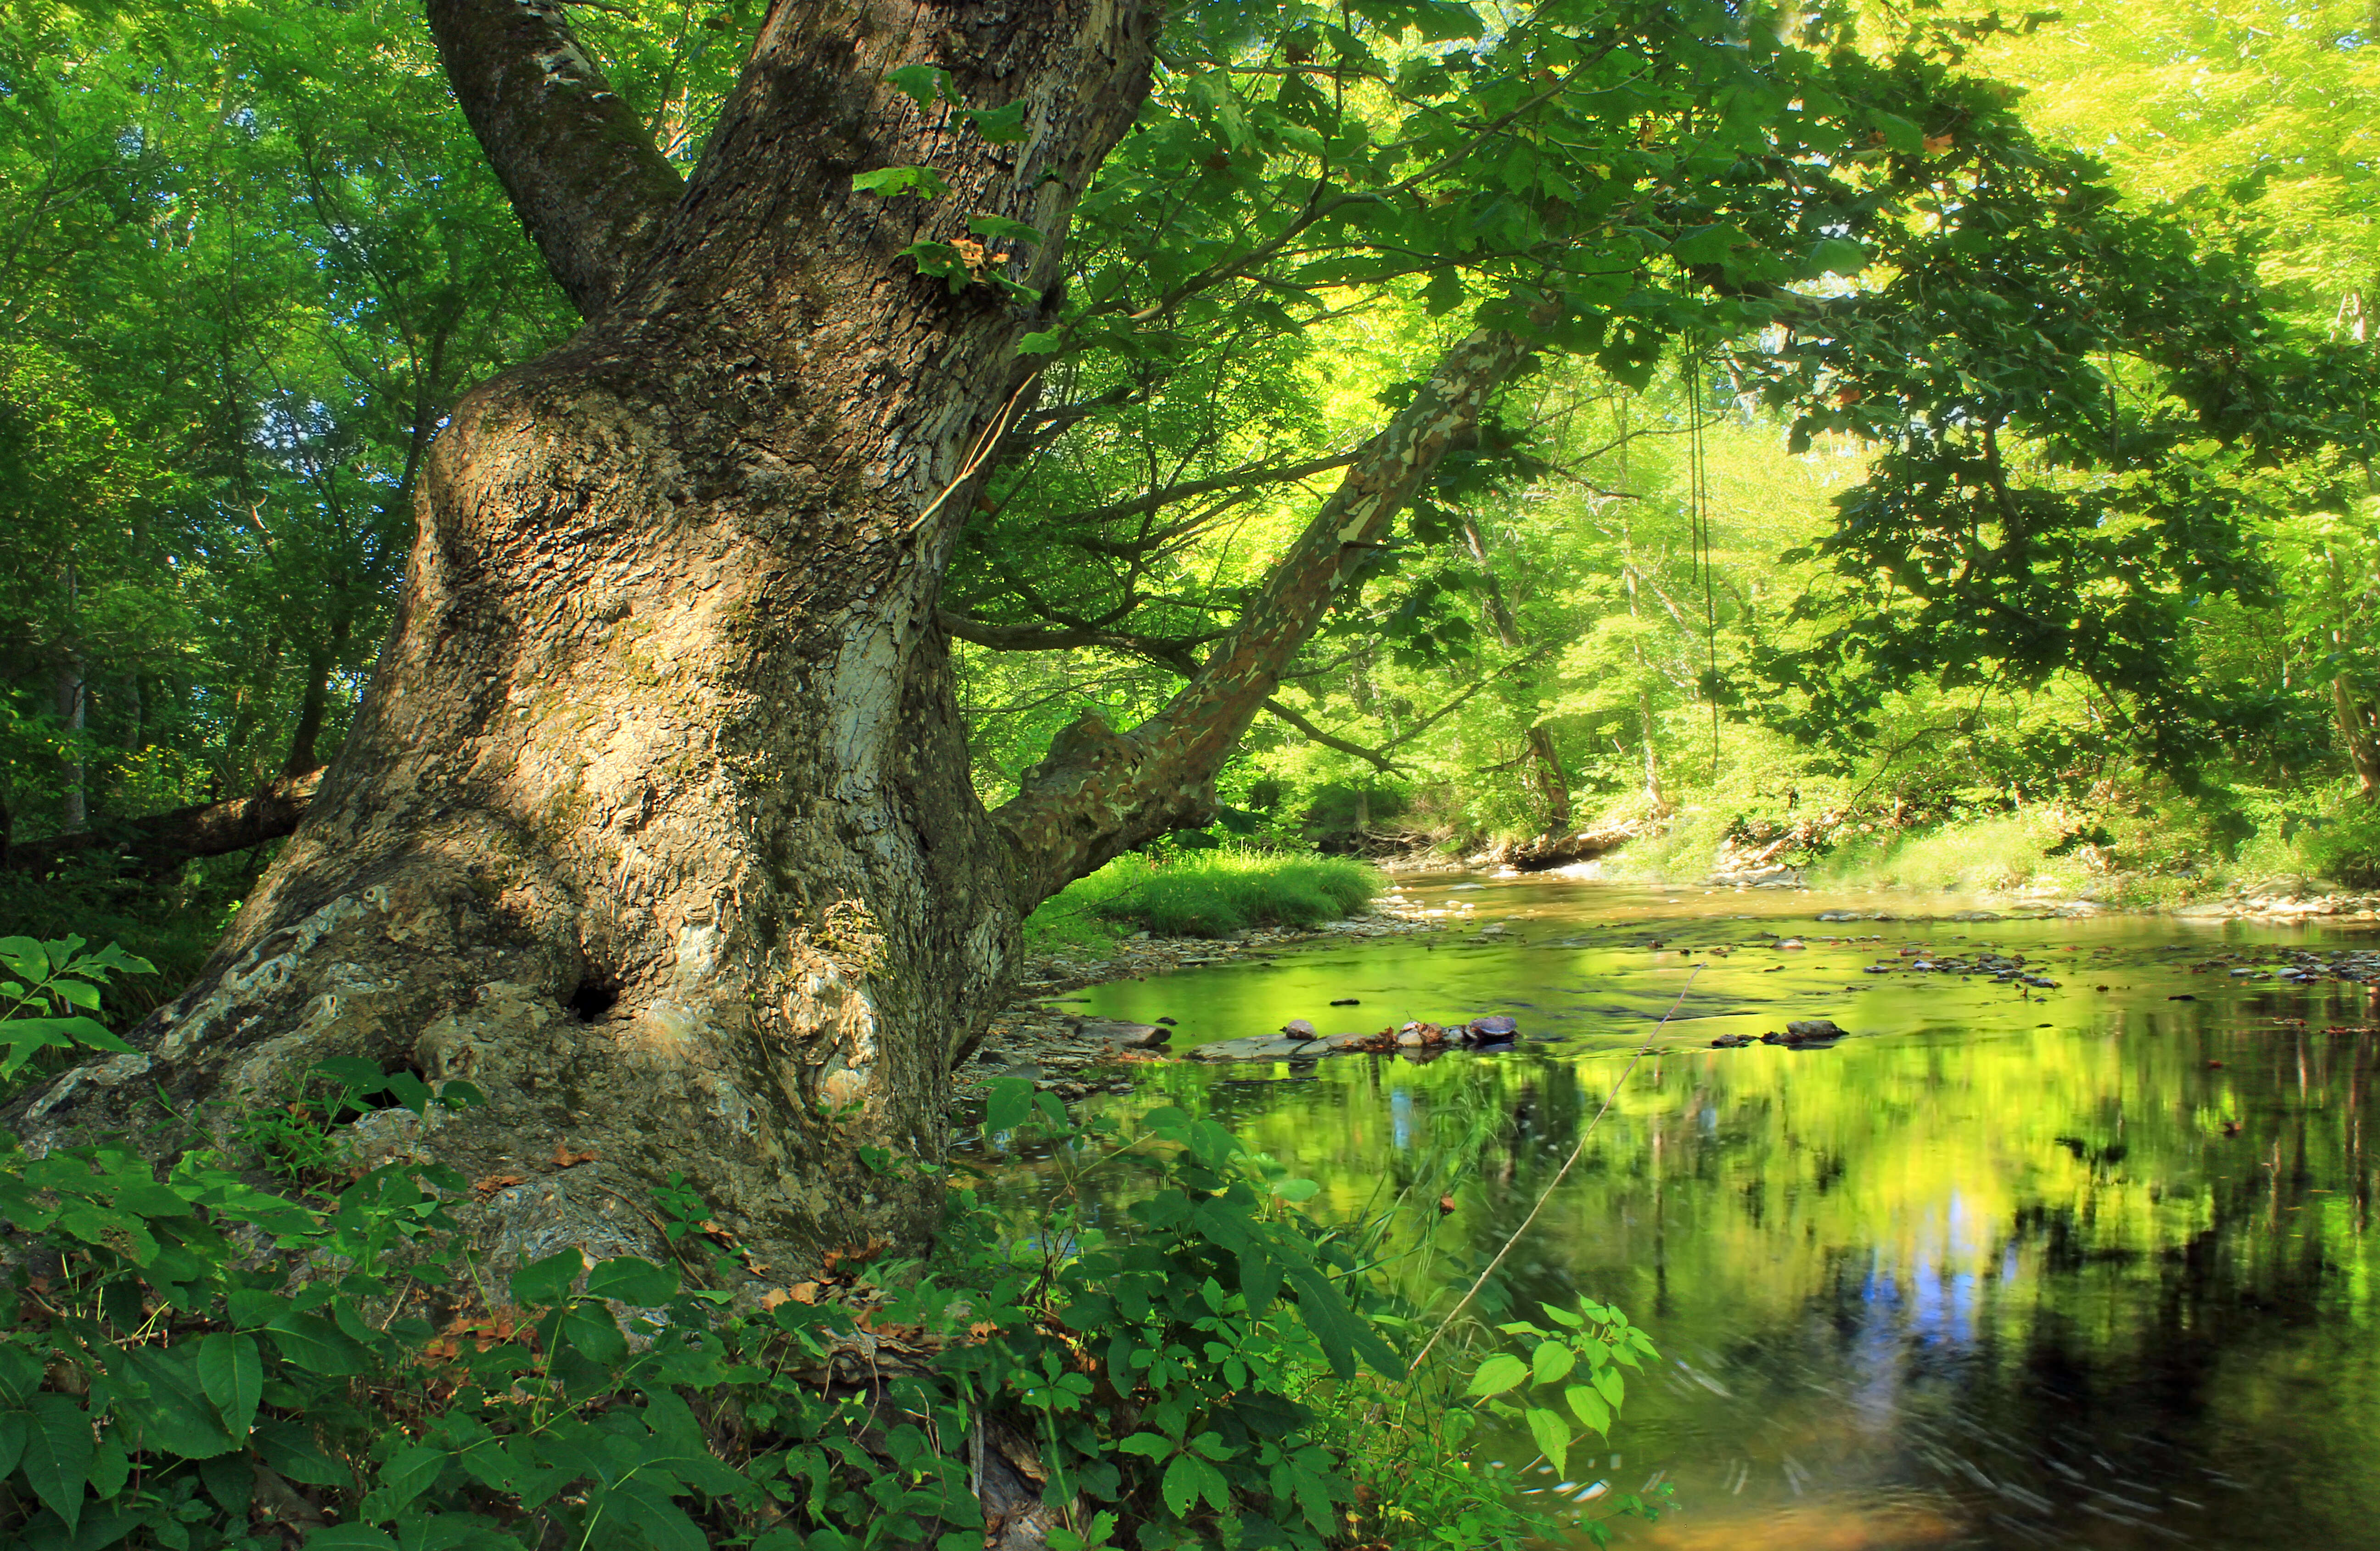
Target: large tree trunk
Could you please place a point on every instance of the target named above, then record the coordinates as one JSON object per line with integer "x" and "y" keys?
{"x": 655, "y": 823}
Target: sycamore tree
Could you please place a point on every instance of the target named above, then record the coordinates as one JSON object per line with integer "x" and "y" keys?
{"x": 656, "y": 823}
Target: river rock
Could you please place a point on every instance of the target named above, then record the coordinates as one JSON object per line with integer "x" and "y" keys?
{"x": 1731, "y": 1042}
{"x": 1347, "y": 1001}
{"x": 1122, "y": 1035}
{"x": 1298, "y": 1028}
{"x": 1491, "y": 1029}
{"x": 1806, "y": 1031}
{"x": 1260, "y": 1047}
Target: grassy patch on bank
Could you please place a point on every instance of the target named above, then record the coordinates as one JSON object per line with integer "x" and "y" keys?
{"x": 1200, "y": 894}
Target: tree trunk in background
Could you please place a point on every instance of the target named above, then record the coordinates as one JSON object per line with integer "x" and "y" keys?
{"x": 1544, "y": 760}
{"x": 68, "y": 696}
{"x": 2359, "y": 733}
{"x": 319, "y": 660}
{"x": 1653, "y": 798}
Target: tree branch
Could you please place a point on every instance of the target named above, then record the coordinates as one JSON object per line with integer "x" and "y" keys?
{"x": 1252, "y": 474}
{"x": 1377, "y": 760}
{"x": 1099, "y": 792}
{"x": 1033, "y": 637}
{"x": 582, "y": 174}
{"x": 206, "y": 830}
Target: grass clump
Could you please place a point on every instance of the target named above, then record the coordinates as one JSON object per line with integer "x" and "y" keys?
{"x": 1202, "y": 893}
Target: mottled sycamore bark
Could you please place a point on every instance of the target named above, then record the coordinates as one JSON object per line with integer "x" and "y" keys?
{"x": 655, "y": 821}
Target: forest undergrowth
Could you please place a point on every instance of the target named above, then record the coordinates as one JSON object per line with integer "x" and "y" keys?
{"x": 269, "y": 1341}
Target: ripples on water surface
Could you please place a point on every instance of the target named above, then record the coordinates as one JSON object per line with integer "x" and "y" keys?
{"x": 2072, "y": 1267}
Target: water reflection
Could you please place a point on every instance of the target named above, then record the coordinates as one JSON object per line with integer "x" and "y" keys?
{"x": 2081, "y": 1266}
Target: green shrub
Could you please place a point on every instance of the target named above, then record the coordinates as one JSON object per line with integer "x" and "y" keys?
{"x": 2346, "y": 846}
{"x": 1192, "y": 1376}
{"x": 1205, "y": 893}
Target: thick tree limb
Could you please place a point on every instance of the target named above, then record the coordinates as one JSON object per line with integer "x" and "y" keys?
{"x": 1377, "y": 760}
{"x": 1254, "y": 474}
{"x": 1034, "y": 637}
{"x": 205, "y": 830}
{"x": 585, "y": 177}
{"x": 1099, "y": 792}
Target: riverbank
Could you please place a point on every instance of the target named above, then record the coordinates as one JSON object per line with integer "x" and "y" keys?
{"x": 2040, "y": 858}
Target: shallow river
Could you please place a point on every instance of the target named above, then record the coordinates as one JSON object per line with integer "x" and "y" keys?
{"x": 2009, "y": 1267}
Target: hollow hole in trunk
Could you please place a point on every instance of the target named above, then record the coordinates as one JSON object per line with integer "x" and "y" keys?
{"x": 593, "y": 997}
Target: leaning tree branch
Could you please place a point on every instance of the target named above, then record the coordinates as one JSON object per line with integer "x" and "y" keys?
{"x": 206, "y": 830}
{"x": 582, "y": 174}
{"x": 1377, "y": 760}
{"x": 1164, "y": 652}
{"x": 1251, "y": 474}
{"x": 1100, "y": 792}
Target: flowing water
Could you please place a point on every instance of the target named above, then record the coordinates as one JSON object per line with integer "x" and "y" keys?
{"x": 2009, "y": 1267}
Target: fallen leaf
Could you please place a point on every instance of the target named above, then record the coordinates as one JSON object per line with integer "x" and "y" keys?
{"x": 565, "y": 1159}
{"x": 492, "y": 1184}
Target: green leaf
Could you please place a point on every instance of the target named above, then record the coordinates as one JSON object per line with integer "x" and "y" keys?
{"x": 893, "y": 182}
{"x": 1496, "y": 1375}
{"x": 1839, "y": 256}
{"x": 1001, "y": 126}
{"x": 1188, "y": 1479}
{"x": 315, "y": 1344}
{"x": 921, "y": 84}
{"x": 1708, "y": 245}
{"x": 1003, "y": 229}
{"x": 1551, "y": 1361}
{"x": 21, "y": 1374}
{"x": 1149, "y": 1446}
{"x": 1297, "y": 1189}
{"x": 1588, "y": 1407}
{"x": 233, "y": 1372}
{"x": 350, "y": 1537}
{"x": 12, "y": 1439}
{"x": 56, "y": 1461}
{"x": 353, "y": 1073}
{"x": 291, "y": 1449}
{"x": 1613, "y": 1386}
{"x": 25, "y": 956}
{"x": 663, "y": 1523}
{"x": 1008, "y": 1105}
{"x": 1897, "y": 132}
{"x": 632, "y": 1280}
{"x": 406, "y": 1476}
{"x": 1552, "y": 1438}
{"x": 547, "y": 1281}
{"x": 178, "y": 1417}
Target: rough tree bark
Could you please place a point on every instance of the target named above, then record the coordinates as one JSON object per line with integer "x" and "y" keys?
{"x": 655, "y": 821}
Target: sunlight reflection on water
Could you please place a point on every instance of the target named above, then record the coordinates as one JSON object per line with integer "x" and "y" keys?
{"x": 2011, "y": 1267}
